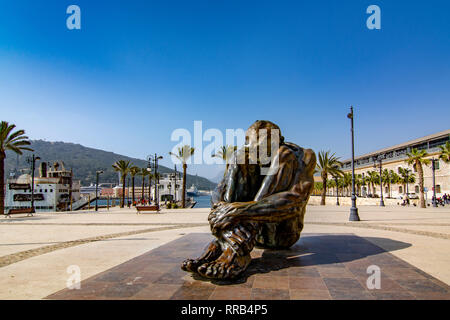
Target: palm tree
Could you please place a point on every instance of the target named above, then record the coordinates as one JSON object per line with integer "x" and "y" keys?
{"x": 184, "y": 153}
{"x": 123, "y": 167}
{"x": 445, "y": 152}
{"x": 359, "y": 182}
{"x": 386, "y": 180}
{"x": 373, "y": 179}
{"x": 332, "y": 184}
{"x": 389, "y": 178}
{"x": 347, "y": 182}
{"x": 328, "y": 164}
{"x": 14, "y": 141}
{"x": 225, "y": 153}
{"x": 366, "y": 182}
{"x": 417, "y": 158}
{"x": 143, "y": 172}
{"x": 318, "y": 186}
{"x": 405, "y": 173}
{"x": 133, "y": 172}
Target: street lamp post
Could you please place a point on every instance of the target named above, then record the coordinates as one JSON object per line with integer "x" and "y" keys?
{"x": 353, "y": 210}
{"x": 433, "y": 167}
{"x": 407, "y": 182}
{"x": 96, "y": 189}
{"x": 32, "y": 161}
{"x": 337, "y": 189}
{"x": 155, "y": 159}
{"x": 175, "y": 175}
{"x": 380, "y": 159}
{"x": 173, "y": 178}
{"x": 128, "y": 191}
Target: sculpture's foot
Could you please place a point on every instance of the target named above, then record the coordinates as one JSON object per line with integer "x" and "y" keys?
{"x": 228, "y": 266}
{"x": 211, "y": 253}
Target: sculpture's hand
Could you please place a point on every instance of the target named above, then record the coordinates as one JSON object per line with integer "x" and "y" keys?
{"x": 220, "y": 211}
{"x": 228, "y": 214}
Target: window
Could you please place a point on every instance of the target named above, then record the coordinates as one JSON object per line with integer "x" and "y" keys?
{"x": 400, "y": 189}
{"x": 45, "y": 190}
{"x": 386, "y": 190}
{"x": 416, "y": 189}
{"x": 438, "y": 188}
{"x": 436, "y": 164}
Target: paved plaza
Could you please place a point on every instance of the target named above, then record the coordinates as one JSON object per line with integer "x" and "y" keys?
{"x": 122, "y": 255}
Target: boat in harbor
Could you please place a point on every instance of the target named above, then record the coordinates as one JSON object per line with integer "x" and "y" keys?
{"x": 192, "y": 191}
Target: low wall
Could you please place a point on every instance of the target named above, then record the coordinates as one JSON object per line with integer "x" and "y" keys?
{"x": 347, "y": 201}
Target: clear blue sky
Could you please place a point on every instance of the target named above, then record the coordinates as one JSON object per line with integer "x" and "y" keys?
{"x": 137, "y": 70}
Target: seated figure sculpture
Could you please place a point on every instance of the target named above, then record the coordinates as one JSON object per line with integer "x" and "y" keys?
{"x": 252, "y": 209}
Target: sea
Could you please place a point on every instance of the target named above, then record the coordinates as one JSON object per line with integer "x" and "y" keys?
{"x": 203, "y": 201}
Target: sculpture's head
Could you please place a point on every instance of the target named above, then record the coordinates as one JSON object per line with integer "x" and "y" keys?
{"x": 263, "y": 133}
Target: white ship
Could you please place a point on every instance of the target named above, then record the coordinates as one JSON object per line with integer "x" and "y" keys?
{"x": 192, "y": 191}
{"x": 54, "y": 189}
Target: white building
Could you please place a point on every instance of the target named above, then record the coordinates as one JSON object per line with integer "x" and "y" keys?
{"x": 53, "y": 190}
{"x": 166, "y": 189}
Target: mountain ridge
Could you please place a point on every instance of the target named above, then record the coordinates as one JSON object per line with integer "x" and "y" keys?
{"x": 85, "y": 161}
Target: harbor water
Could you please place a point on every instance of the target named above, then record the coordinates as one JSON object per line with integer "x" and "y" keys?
{"x": 203, "y": 201}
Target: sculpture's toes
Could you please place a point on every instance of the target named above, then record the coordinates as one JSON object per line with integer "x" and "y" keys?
{"x": 219, "y": 270}
{"x": 209, "y": 270}
{"x": 190, "y": 265}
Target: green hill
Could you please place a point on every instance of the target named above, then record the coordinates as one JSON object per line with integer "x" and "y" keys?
{"x": 86, "y": 161}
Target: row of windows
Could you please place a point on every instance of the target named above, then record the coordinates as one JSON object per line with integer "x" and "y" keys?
{"x": 50, "y": 190}
{"x": 40, "y": 190}
{"x": 417, "y": 189}
{"x": 37, "y": 207}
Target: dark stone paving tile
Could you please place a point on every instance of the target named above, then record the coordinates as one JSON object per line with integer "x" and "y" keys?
{"x": 408, "y": 273}
{"x": 307, "y": 283}
{"x": 303, "y": 294}
{"x": 271, "y": 282}
{"x": 351, "y": 295}
{"x": 156, "y": 292}
{"x": 347, "y": 284}
{"x": 269, "y": 294}
{"x": 113, "y": 276}
{"x": 431, "y": 295}
{"x": 319, "y": 266}
{"x": 122, "y": 290}
{"x": 310, "y": 272}
{"x": 333, "y": 272}
{"x": 419, "y": 285}
{"x": 392, "y": 295}
{"x": 192, "y": 292}
{"x": 88, "y": 291}
{"x": 230, "y": 293}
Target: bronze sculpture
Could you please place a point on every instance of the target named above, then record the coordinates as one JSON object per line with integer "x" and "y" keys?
{"x": 249, "y": 208}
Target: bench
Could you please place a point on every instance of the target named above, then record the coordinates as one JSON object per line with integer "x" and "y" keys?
{"x": 147, "y": 208}
{"x": 28, "y": 211}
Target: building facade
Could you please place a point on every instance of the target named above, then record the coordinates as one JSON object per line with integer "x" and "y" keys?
{"x": 394, "y": 157}
{"x": 54, "y": 190}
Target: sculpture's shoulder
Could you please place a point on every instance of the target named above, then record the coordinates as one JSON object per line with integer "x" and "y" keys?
{"x": 306, "y": 157}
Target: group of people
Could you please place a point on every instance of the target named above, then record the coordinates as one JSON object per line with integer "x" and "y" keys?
{"x": 445, "y": 199}
{"x": 141, "y": 202}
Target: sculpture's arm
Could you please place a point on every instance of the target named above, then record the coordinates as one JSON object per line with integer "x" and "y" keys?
{"x": 224, "y": 191}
